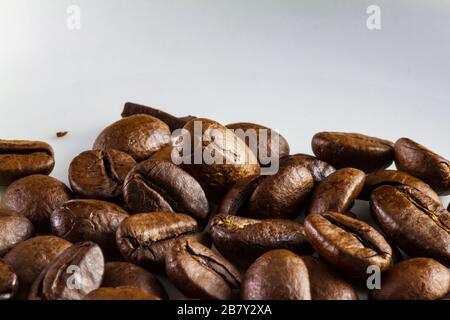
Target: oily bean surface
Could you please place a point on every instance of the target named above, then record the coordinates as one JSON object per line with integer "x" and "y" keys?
{"x": 9, "y": 282}
{"x": 14, "y": 228}
{"x": 318, "y": 168}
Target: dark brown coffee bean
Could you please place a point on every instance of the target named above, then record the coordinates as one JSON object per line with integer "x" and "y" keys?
{"x": 243, "y": 240}
{"x": 394, "y": 178}
{"x": 318, "y": 168}
{"x": 120, "y": 293}
{"x": 19, "y": 159}
{"x": 36, "y": 197}
{"x": 419, "y": 225}
{"x": 125, "y": 274}
{"x": 140, "y": 136}
{"x": 424, "y": 164}
{"x": 9, "y": 282}
{"x": 353, "y": 150}
{"x": 30, "y": 257}
{"x": 14, "y": 228}
{"x": 325, "y": 283}
{"x": 338, "y": 191}
{"x": 77, "y": 271}
{"x": 236, "y": 199}
{"x": 89, "y": 220}
{"x": 144, "y": 239}
{"x": 161, "y": 186}
{"x": 414, "y": 279}
{"x": 350, "y": 245}
{"x": 100, "y": 174}
{"x": 199, "y": 272}
{"x": 277, "y": 275}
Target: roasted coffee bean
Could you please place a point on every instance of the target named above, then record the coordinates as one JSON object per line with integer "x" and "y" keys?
{"x": 199, "y": 272}
{"x": 424, "y": 164}
{"x": 318, "y": 168}
{"x": 353, "y": 150}
{"x": 36, "y": 197}
{"x": 120, "y": 293}
{"x": 19, "y": 159}
{"x": 419, "y": 225}
{"x": 30, "y": 257}
{"x": 325, "y": 283}
{"x": 350, "y": 245}
{"x": 161, "y": 186}
{"x": 100, "y": 174}
{"x": 125, "y": 274}
{"x": 338, "y": 191}
{"x": 259, "y": 138}
{"x": 394, "y": 178}
{"x": 277, "y": 275}
{"x": 89, "y": 220}
{"x": 140, "y": 136}
{"x": 237, "y": 198}
{"x": 243, "y": 240}
{"x": 414, "y": 279}
{"x": 144, "y": 239}
{"x": 226, "y": 158}
{"x": 14, "y": 228}
{"x": 9, "y": 282}
{"x": 77, "y": 271}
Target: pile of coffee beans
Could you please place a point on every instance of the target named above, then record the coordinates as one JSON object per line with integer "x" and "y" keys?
{"x": 133, "y": 219}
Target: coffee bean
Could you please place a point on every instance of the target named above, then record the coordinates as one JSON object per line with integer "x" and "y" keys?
{"x": 243, "y": 240}
{"x": 144, "y": 239}
{"x": 77, "y": 271}
{"x": 419, "y": 225}
{"x": 89, "y": 220}
{"x": 318, "y": 168}
{"x": 424, "y": 164}
{"x": 325, "y": 283}
{"x": 120, "y": 293}
{"x": 155, "y": 186}
{"x": 353, "y": 150}
{"x": 125, "y": 274}
{"x": 277, "y": 275}
{"x": 30, "y": 257}
{"x": 100, "y": 174}
{"x": 414, "y": 279}
{"x": 36, "y": 197}
{"x": 350, "y": 245}
{"x": 140, "y": 136}
{"x": 394, "y": 178}
{"x": 338, "y": 191}
{"x": 199, "y": 272}
{"x": 237, "y": 198}
{"x": 14, "y": 228}
{"x": 9, "y": 282}
{"x": 19, "y": 159}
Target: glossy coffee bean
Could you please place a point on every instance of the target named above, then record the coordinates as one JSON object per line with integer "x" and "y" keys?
{"x": 348, "y": 244}
{"x": 36, "y": 197}
{"x": 140, "y": 136}
{"x": 19, "y": 159}
{"x": 199, "y": 272}
{"x": 125, "y": 274}
{"x": 338, "y": 191}
{"x": 9, "y": 282}
{"x": 100, "y": 174}
{"x": 120, "y": 293}
{"x": 89, "y": 220}
{"x": 325, "y": 283}
{"x": 161, "y": 186}
{"x": 419, "y": 225}
{"x": 277, "y": 275}
{"x": 243, "y": 240}
{"x": 77, "y": 271}
{"x": 30, "y": 257}
{"x": 424, "y": 164}
{"x": 318, "y": 168}
{"x": 394, "y": 178}
{"x": 144, "y": 239}
{"x": 353, "y": 150}
{"x": 14, "y": 228}
{"x": 414, "y": 279}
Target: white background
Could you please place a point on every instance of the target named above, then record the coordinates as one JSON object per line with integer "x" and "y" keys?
{"x": 297, "y": 66}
